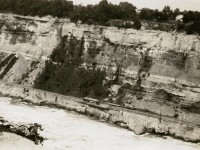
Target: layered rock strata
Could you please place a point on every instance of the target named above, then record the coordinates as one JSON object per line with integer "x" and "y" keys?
{"x": 136, "y": 122}
{"x": 152, "y": 71}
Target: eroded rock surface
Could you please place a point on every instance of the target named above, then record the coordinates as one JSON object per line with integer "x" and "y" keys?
{"x": 152, "y": 71}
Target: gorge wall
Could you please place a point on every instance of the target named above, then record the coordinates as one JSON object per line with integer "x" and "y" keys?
{"x": 149, "y": 70}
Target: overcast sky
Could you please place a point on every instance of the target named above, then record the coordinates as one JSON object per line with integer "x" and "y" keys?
{"x": 154, "y": 4}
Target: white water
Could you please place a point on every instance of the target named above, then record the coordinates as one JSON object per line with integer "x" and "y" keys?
{"x": 66, "y": 130}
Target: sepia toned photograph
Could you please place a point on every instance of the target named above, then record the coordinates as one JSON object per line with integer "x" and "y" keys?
{"x": 99, "y": 74}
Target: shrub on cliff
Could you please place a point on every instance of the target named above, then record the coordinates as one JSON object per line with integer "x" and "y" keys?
{"x": 70, "y": 80}
{"x": 64, "y": 72}
{"x": 69, "y": 51}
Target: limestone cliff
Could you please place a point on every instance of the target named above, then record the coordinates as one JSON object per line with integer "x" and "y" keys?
{"x": 150, "y": 70}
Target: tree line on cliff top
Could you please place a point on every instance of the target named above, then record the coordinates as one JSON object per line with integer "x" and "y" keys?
{"x": 190, "y": 22}
{"x": 104, "y": 13}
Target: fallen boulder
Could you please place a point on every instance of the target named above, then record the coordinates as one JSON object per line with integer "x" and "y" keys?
{"x": 138, "y": 129}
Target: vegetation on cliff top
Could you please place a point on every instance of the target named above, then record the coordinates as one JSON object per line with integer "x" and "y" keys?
{"x": 124, "y": 15}
{"x": 190, "y": 23}
{"x": 92, "y": 14}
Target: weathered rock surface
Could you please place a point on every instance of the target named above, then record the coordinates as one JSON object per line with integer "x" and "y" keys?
{"x": 153, "y": 71}
{"x": 166, "y": 63}
{"x": 139, "y": 124}
{"x": 138, "y": 129}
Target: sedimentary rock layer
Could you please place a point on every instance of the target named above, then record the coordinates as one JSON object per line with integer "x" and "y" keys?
{"x": 152, "y": 71}
{"x": 138, "y": 123}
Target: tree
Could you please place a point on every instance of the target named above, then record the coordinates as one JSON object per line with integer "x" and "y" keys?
{"x": 128, "y": 11}
{"x": 137, "y": 24}
{"x": 102, "y": 11}
{"x": 193, "y": 28}
{"x": 167, "y": 13}
{"x": 176, "y": 13}
{"x": 147, "y": 14}
{"x": 190, "y": 16}
{"x": 157, "y": 15}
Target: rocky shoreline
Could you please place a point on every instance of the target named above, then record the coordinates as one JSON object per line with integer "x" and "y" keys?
{"x": 137, "y": 123}
{"x": 29, "y": 131}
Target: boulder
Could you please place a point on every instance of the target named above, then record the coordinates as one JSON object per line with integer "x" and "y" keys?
{"x": 140, "y": 129}
{"x": 104, "y": 116}
{"x": 93, "y": 112}
{"x": 81, "y": 109}
{"x": 116, "y": 119}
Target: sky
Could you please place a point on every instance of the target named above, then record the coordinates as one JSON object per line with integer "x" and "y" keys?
{"x": 153, "y": 4}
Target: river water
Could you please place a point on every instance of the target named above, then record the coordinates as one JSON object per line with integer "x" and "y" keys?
{"x": 70, "y": 131}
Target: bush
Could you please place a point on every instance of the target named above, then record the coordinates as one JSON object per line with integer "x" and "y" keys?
{"x": 193, "y": 28}
{"x": 137, "y": 24}
{"x": 64, "y": 74}
{"x": 69, "y": 51}
{"x": 70, "y": 80}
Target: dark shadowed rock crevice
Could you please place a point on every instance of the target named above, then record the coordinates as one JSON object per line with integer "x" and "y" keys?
{"x": 10, "y": 64}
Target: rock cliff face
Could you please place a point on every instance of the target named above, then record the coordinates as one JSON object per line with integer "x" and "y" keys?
{"x": 150, "y": 70}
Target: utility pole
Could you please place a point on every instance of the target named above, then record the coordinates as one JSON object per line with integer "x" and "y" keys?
{"x": 122, "y": 105}
{"x": 160, "y": 117}
{"x": 182, "y": 119}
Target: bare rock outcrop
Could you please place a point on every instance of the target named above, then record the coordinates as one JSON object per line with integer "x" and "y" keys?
{"x": 27, "y": 131}
{"x": 152, "y": 71}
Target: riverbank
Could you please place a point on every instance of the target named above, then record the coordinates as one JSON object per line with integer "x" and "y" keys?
{"x": 65, "y": 130}
{"x": 137, "y": 123}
